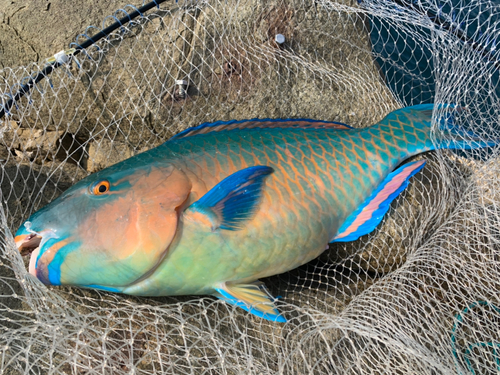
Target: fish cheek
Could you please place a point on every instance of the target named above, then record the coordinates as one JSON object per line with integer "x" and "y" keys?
{"x": 110, "y": 244}
{"x": 132, "y": 232}
{"x": 159, "y": 211}
{"x": 111, "y": 229}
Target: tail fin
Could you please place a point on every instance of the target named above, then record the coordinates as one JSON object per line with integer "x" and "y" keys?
{"x": 447, "y": 135}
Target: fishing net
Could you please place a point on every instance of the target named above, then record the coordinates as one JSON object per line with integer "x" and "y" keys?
{"x": 418, "y": 295}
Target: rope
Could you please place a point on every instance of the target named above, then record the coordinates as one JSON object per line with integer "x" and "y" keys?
{"x": 60, "y": 60}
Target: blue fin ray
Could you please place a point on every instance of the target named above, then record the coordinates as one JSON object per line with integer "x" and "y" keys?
{"x": 253, "y": 297}
{"x": 369, "y": 215}
{"x": 233, "y": 200}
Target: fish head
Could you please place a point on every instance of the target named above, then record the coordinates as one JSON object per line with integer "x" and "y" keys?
{"x": 108, "y": 230}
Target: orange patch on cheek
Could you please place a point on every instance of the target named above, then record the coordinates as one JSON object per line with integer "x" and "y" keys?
{"x": 143, "y": 221}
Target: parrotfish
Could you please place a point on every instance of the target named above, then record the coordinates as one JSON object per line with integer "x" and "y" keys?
{"x": 221, "y": 205}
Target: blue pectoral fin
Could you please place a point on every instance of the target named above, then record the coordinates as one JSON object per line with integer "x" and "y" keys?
{"x": 253, "y": 298}
{"x": 366, "y": 218}
{"x": 233, "y": 200}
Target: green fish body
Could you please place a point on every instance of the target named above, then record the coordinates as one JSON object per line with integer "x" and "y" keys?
{"x": 221, "y": 205}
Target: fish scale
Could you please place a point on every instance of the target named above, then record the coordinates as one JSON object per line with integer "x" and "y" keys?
{"x": 221, "y": 205}
{"x": 311, "y": 219}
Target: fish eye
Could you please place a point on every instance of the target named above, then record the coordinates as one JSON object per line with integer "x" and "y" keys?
{"x": 100, "y": 187}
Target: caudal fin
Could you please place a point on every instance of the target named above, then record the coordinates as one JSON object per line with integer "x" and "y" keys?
{"x": 417, "y": 121}
{"x": 450, "y": 135}
{"x": 410, "y": 129}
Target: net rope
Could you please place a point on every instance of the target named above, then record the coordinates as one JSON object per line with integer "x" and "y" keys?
{"x": 417, "y": 295}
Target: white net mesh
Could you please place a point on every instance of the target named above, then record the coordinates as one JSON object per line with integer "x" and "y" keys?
{"x": 418, "y": 295}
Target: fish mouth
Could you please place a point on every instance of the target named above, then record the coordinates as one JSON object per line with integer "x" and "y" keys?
{"x": 30, "y": 245}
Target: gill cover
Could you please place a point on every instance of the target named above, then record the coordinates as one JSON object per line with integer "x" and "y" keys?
{"x": 113, "y": 228}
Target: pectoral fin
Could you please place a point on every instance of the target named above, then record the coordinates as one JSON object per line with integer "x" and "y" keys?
{"x": 253, "y": 298}
{"x": 233, "y": 200}
{"x": 371, "y": 212}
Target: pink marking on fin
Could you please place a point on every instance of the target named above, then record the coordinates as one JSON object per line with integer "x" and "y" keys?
{"x": 391, "y": 186}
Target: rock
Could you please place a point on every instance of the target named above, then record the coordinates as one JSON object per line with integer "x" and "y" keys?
{"x": 33, "y": 30}
{"x": 69, "y": 148}
{"x": 104, "y": 153}
{"x": 5, "y": 153}
{"x": 37, "y": 145}
{"x": 10, "y": 134}
{"x": 133, "y": 98}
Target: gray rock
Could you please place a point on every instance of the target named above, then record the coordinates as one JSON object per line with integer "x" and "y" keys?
{"x": 109, "y": 95}
{"x": 33, "y": 30}
{"x": 104, "y": 153}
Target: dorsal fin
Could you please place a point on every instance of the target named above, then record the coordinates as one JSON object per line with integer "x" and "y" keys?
{"x": 255, "y": 123}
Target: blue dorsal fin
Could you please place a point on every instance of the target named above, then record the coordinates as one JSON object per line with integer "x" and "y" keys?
{"x": 252, "y": 297}
{"x": 371, "y": 212}
{"x": 255, "y": 123}
{"x": 233, "y": 200}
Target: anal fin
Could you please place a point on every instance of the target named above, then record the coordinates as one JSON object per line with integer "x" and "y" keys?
{"x": 366, "y": 218}
{"x": 252, "y": 297}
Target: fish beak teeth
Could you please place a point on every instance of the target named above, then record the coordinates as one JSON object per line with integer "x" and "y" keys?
{"x": 27, "y": 243}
